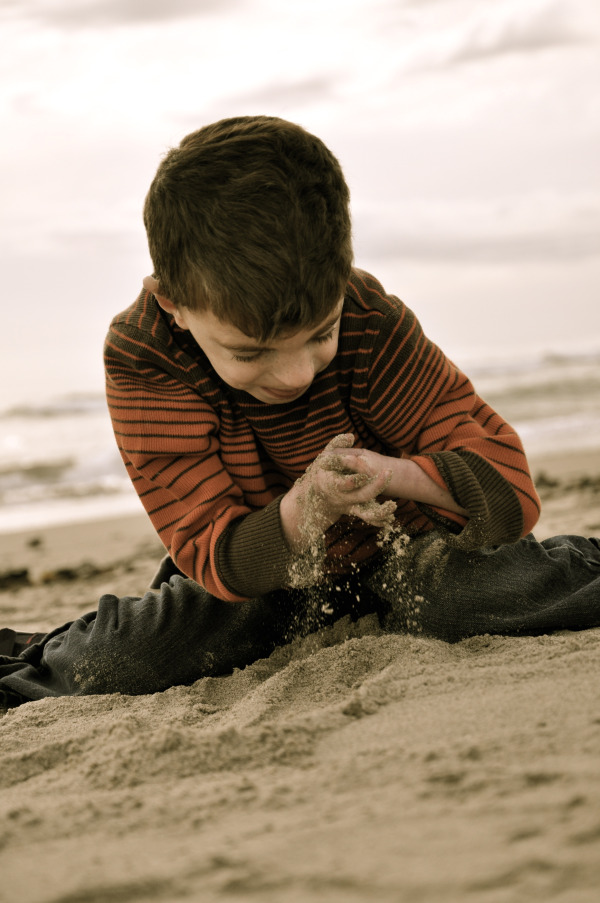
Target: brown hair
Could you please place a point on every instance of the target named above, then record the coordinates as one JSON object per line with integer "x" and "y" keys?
{"x": 249, "y": 218}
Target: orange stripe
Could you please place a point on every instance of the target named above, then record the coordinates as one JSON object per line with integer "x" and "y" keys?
{"x": 200, "y": 455}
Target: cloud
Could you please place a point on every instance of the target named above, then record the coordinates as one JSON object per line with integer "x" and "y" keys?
{"x": 269, "y": 99}
{"x": 464, "y": 249}
{"x": 451, "y": 33}
{"x": 507, "y": 30}
{"x": 533, "y": 230}
{"x": 67, "y": 14}
{"x": 310, "y": 90}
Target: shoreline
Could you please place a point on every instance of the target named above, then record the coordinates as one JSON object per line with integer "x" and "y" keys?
{"x": 109, "y": 538}
{"x": 51, "y": 574}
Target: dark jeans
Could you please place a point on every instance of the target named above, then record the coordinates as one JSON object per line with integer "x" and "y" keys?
{"x": 525, "y": 588}
{"x": 178, "y": 633}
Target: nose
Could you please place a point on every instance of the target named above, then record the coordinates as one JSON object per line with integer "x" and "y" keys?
{"x": 296, "y": 370}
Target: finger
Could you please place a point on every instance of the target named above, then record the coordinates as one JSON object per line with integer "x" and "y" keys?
{"x": 376, "y": 485}
{"x": 357, "y": 463}
{"x": 352, "y": 452}
{"x": 333, "y": 463}
{"x": 338, "y": 464}
{"x": 355, "y": 481}
{"x": 344, "y": 440}
{"x": 363, "y": 486}
{"x": 382, "y": 480}
{"x": 375, "y": 513}
{"x": 346, "y": 483}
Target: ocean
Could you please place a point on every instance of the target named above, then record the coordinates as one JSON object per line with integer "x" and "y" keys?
{"x": 59, "y": 462}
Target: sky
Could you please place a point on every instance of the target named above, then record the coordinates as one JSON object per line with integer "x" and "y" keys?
{"x": 469, "y": 131}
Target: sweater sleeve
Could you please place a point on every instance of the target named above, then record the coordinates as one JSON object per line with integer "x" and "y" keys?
{"x": 424, "y": 407}
{"x": 481, "y": 462}
{"x": 168, "y": 437}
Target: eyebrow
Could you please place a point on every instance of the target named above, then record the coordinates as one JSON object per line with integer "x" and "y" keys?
{"x": 253, "y": 348}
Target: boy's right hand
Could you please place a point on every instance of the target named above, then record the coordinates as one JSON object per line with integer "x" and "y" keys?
{"x": 334, "y": 485}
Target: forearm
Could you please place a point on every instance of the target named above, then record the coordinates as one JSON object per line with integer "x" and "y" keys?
{"x": 304, "y": 510}
{"x": 297, "y": 519}
{"x": 409, "y": 481}
{"x": 252, "y": 555}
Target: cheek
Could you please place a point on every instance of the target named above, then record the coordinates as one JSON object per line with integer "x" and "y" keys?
{"x": 240, "y": 374}
{"x": 326, "y": 354}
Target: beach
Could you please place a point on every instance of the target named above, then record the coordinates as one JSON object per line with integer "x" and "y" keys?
{"x": 350, "y": 766}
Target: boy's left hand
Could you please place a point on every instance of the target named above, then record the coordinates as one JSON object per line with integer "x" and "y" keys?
{"x": 336, "y": 483}
{"x": 368, "y": 466}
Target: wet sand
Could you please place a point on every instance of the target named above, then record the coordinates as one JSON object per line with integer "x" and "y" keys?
{"x": 351, "y": 766}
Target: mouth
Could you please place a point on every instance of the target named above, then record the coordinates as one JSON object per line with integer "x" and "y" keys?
{"x": 285, "y": 395}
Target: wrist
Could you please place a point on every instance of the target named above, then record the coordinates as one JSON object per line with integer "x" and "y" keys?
{"x": 301, "y": 517}
{"x": 289, "y": 519}
{"x": 409, "y": 481}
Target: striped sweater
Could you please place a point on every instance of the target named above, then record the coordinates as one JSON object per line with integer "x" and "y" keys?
{"x": 211, "y": 463}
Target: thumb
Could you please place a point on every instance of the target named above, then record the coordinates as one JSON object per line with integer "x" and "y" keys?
{"x": 344, "y": 440}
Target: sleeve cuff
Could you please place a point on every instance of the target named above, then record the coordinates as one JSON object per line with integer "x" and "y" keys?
{"x": 495, "y": 514}
{"x": 252, "y": 556}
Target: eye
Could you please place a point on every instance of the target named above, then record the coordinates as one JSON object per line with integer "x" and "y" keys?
{"x": 247, "y": 358}
{"x": 321, "y": 339}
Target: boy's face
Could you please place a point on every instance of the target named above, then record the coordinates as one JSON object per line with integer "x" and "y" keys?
{"x": 274, "y": 372}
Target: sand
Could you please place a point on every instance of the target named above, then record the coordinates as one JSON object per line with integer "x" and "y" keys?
{"x": 351, "y": 766}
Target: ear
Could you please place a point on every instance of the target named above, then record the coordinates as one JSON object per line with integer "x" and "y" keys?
{"x": 151, "y": 284}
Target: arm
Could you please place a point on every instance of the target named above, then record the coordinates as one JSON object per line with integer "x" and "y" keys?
{"x": 409, "y": 481}
{"x": 181, "y": 482}
{"x": 346, "y": 480}
{"x": 168, "y": 437}
{"x": 482, "y": 463}
{"x": 425, "y": 411}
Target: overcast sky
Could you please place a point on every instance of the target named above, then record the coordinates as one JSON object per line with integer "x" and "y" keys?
{"x": 469, "y": 131}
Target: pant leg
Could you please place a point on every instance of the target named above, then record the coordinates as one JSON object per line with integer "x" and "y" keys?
{"x": 522, "y": 588}
{"x": 171, "y": 636}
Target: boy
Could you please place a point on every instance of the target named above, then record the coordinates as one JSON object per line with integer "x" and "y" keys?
{"x": 302, "y": 449}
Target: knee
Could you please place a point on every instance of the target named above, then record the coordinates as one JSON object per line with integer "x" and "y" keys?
{"x": 108, "y": 651}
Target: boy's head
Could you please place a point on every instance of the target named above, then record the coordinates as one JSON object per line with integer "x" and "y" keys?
{"x": 249, "y": 220}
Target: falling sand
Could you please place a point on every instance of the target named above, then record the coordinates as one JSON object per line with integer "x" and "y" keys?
{"x": 306, "y": 568}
